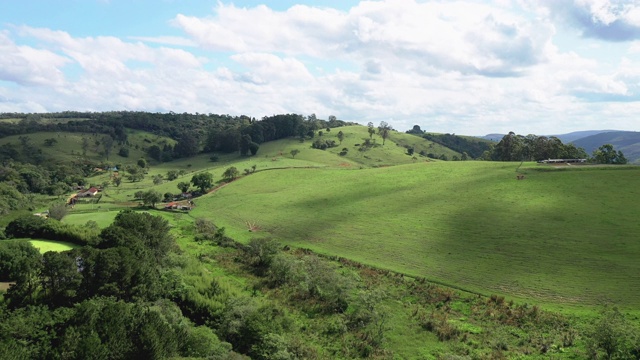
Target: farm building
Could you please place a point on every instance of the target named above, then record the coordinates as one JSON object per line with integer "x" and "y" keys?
{"x": 560, "y": 161}
{"x": 88, "y": 193}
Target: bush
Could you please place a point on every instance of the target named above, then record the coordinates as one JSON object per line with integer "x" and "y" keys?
{"x": 323, "y": 144}
{"x": 124, "y": 152}
{"x": 58, "y": 211}
{"x": 36, "y": 227}
{"x": 25, "y": 226}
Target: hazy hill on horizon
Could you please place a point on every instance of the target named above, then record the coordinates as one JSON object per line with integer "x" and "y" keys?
{"x": 590, "y": 140}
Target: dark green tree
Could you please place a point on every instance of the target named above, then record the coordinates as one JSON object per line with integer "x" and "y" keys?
{"x": 107, "y": 145}
{"x": 231, "y": 174}
{"x": 253, "y": 148}
{"x": 294, "y": 152}
{"x": 203, "y": 181}
{"x": 384, "y": 130}
{"x": 157, "y": 179}
{"x": 172, "y": 175}
{"x": 340, "y": 136}
{"x": 151, "y": 198}
{"x": 187, "y": 146}
{"x": 606, "y": 154}
{"x": 371, "y": 129}
{"x": 245, "y": 141}
{"x": 184, "y": 186}
{"x": 58, "y": 211}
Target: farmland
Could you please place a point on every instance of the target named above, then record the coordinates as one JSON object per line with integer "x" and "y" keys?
{"x": 557, "y": 237}
{"x": 439, "y": 257}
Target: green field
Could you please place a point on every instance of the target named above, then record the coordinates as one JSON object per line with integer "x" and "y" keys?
{"x": 49, "y": 245}
{"x": 103, "y": 218}
{"x": 557, "y": 237}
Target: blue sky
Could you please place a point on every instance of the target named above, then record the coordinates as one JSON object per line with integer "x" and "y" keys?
{"x": 466, "y": 67}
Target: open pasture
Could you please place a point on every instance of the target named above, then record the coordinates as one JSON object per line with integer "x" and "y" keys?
{"x": 556, "y": 237}
{"x": 49, "y": 245}
{"x": 102, "y": 218}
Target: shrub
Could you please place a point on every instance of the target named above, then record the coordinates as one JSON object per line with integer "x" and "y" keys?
{"x": 58, "y": 211}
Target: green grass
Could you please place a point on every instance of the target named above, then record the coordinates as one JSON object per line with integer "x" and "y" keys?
{"x": 103, "y": 218}
{"x": 49, "y": 245}
{"x": 557, "y": 237}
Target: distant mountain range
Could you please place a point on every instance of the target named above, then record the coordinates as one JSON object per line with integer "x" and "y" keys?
{"x": 590, "y": 140}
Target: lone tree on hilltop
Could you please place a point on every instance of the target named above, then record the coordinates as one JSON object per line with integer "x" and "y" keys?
{"x": 203, "y": 181}
{"x": 383, "y": 130}
{"x": 371, "y": 129}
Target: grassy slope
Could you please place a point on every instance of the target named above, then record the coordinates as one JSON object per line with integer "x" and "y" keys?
{"x": 69, "y": 145}
{"x": 557, "y": 237}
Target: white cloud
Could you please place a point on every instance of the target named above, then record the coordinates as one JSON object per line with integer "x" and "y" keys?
{"x": 463, "y": 67}
{"x": 611, "y": 20}
{"x": 29, "y": 66}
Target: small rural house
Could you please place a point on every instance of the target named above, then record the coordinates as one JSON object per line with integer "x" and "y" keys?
{"x": 88, "y": 193}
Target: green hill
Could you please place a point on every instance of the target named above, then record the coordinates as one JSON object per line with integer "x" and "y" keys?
{"x": 558, "y": 237}
{"x": 626, "y": 141}
{"x": 67, "y": 146}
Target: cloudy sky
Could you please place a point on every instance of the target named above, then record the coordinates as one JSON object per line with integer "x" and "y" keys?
{"x": 465, "y": 67}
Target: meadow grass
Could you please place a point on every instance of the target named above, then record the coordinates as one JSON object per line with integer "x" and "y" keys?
{"x": 557, "y": 237}
{"x": 102, "y": 218}
{"x": 49, "y": 245}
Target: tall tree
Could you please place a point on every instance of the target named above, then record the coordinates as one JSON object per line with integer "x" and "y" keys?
{"x": 184, "y": 186}
{"x": 203, "y": 181}
{"x": 107, "y": 145}
{"x": 151, "y": 198}
{"x": 371, "y": 129}
{"x": 606, "y": 154}
{"x": 231, "y": 174}
{"x": 384, "y": 130}
{"x": 187, "y": 146}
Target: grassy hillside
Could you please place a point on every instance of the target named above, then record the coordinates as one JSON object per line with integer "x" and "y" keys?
{"x": 559, "y": 237}
{"x": 68, "y": 146}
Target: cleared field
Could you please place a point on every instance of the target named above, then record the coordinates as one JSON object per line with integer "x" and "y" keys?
{"x": 557, "y": 237}
{"x": 48, "y": 245}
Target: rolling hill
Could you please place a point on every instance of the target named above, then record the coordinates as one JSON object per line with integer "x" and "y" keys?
{"x": 558, "y": 237}
{"x": 626, "y": 141}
